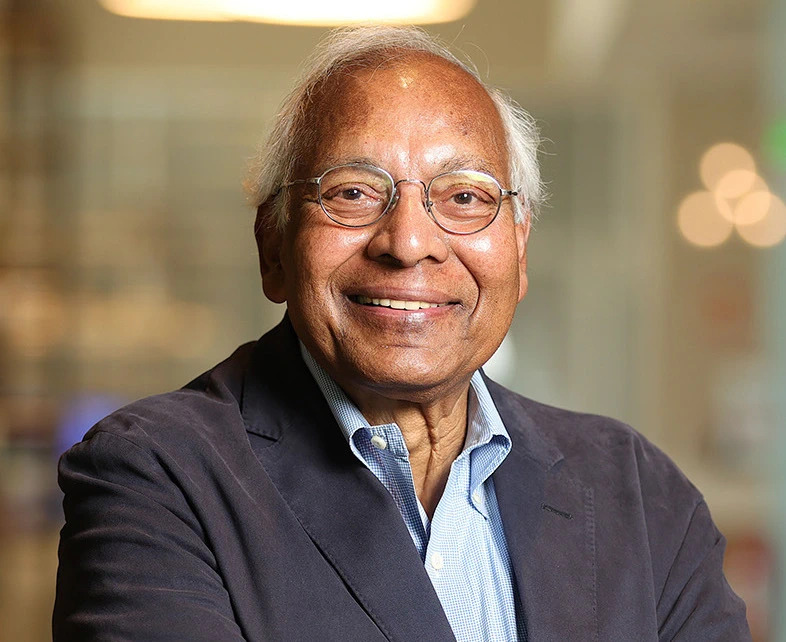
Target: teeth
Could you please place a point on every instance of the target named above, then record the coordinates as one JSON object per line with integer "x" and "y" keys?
{"x": 396, "y": 304}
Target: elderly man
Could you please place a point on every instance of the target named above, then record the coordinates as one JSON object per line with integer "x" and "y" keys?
{"x": 353, "y": 475}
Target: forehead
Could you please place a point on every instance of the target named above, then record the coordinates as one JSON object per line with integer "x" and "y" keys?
{"x": 404, "y": 101}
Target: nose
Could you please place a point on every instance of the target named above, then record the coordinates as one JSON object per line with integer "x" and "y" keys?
{"x": 407, "y": 234}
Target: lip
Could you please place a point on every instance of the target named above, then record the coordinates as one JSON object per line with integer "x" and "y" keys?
{"x": 440, "y": 302}
{"x": 400, "y": 294}
{"x": 386, "y": 314}
{"x": 399, "y": 306}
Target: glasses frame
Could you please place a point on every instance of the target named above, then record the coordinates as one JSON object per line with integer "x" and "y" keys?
{"x": 394, "y": 195}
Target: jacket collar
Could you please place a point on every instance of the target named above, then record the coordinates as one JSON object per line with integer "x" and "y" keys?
{"x": 547, "y": 513}
{"x": 348, "y": 514}
{"x": 549, "y": 522}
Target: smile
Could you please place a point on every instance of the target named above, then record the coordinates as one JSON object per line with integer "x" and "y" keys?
{"x": 396, "y": 304}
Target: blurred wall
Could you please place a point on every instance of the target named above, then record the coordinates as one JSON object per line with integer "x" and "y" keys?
{"x": 127, "y": 264}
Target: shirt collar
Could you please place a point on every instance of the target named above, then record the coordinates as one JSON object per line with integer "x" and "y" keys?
{"x": 347, "y": 414}
{"x": 488, "y": 442}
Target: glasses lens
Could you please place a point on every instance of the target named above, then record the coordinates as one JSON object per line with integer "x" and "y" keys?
{"x": 355, "y": 195}
{"x": 464, "y": 202}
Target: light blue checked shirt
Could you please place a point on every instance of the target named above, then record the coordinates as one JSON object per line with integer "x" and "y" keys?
{"x": 463, "y": 547}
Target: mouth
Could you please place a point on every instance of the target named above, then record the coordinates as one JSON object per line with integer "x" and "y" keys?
{"x": 396, "y": 304}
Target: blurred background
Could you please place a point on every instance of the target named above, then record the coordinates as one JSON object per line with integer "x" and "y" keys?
{"x": 657, "y": 271}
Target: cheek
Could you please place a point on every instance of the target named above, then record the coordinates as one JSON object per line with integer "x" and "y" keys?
{"x": 481, "y": 245}
{"x": 488, "y": 255}
{"x": 320, "y": 252}
{"x": 493, "y": 262}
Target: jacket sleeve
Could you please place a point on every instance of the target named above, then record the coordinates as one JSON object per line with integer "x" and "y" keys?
{"x": 697, "y": 602}
{"x": 134, "y": 564}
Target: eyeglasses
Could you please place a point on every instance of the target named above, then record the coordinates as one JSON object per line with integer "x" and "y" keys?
{"x": 358, "y": 195}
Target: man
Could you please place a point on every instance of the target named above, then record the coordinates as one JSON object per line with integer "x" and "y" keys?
{"x": 353, "y": 475}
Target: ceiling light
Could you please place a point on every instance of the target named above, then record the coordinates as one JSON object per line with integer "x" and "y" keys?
{"x": 296, "y": 12}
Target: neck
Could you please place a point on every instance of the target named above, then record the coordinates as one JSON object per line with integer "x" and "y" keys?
{"x": 434, "y": 433}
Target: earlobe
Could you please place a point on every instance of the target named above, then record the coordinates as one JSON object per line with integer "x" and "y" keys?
{"x": 269, "y": 239}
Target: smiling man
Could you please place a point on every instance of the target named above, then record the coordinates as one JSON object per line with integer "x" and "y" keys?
{"x": 353, "y": 475}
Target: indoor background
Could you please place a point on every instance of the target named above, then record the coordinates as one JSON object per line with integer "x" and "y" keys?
{"x": 657, "y": 270}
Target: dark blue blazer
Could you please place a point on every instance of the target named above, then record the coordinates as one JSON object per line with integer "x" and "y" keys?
{"x": 233, "y": 509}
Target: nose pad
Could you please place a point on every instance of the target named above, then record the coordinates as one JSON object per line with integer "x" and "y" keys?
{"x": 397, "y": 193}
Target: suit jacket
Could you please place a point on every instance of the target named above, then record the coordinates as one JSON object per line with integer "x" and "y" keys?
{"x": 233, "y": 509}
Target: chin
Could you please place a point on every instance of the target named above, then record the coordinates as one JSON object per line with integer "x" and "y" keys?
{"x": 407, "y": 376}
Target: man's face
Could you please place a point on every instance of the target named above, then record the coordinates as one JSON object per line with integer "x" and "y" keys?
{"x": 416, "y": 118}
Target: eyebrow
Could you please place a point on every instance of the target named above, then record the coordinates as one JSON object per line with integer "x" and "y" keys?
{"x": 466, "y": 162}
{"x": 334, "y": 161}
{"x": 450, "y": 165}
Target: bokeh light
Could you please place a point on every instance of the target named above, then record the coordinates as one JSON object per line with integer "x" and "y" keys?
{"x": 701, "y": 222}
{"x": 721, "y": 159}
{"x": 735, "y": 183}
{"x": 737, "y": 197}
{"x": 752, "y": 207}
{"x": 769, "y": 230}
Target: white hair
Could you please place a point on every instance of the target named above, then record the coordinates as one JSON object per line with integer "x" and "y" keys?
{"x": 357, "y": 46}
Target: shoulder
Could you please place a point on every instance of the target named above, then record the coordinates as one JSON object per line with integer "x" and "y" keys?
{"x": 604, "y": 453}
{"x": 207, "y": 410}
{"x": 646, "y": 519}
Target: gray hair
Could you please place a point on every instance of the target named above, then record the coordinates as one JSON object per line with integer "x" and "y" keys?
{"x": 277, "y": 156}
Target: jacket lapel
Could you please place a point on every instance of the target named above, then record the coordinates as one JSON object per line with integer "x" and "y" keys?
{"x": 549, "y": 526}
{"x": 345, "y": 510}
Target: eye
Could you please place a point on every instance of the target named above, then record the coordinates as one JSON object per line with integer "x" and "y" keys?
{"x": 351, "y": 194}
{"x": 463, "y": 198}
{"x": 466, "y": 196}
{"x": 357, "y": 192}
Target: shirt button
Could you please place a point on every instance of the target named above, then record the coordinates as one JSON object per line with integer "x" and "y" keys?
{"x": 436, "y": 561}
{"x": 379, "y": 442}
{"x": 476, "y": 497}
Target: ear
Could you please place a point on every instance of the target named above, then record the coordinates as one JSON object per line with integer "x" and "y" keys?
{"x": 522, "y": 236}
{"x": 269, "y": 239}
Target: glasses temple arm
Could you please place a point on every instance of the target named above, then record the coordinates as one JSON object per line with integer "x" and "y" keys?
{"x": 315, "y": 181}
